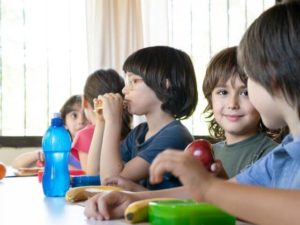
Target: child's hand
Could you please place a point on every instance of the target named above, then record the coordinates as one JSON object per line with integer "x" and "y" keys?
{"x": 112, "y": 106}
{"x": 124, "y": 183}
{"x": 108, "y": 205}
{"x": 218, "y": 169}
{"x": 40, "y": 159}
{"x": 191, "y": 173}
{"x": 98, "y": 107}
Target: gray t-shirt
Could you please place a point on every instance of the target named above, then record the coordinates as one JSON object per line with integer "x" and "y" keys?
{"x": 239, "y": 156}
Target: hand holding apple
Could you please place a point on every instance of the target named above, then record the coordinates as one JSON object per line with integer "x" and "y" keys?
{"x": 202, "y": 151}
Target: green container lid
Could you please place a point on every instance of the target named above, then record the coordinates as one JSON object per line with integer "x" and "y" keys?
{"x": 187, "y": 212}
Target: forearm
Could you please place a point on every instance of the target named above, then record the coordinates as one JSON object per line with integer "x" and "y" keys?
{"x": 255, "y": 204}
{"x": 27, "y": 159}
{"x": 111, "y": 164}
{"x": 93, "y": 163}
{"x": 178, "y": 192}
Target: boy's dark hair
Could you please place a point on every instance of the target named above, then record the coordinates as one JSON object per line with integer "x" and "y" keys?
{"x": 270, "y": 51}
{"x": 223, "y": 67}
{"x": 284, "y": 1}
{"x": 107, "y": 81}
{"x": 159, "y": 64}
{"x": 69, "y": 106}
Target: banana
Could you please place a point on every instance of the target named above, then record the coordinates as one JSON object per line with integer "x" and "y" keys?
{"x": 137, "y": 211}
{"x": 82, "y": 193}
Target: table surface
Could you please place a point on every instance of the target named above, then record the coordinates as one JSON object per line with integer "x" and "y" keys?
{"x": 22, "y": 202}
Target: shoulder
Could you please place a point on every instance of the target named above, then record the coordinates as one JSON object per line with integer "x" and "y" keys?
{"x": 83, "y": 138}
{"x": 89, "y": 129}
{"x": 173, "y": 135}
{"x": 175, "y": 127}
{"x": 266, "y": 139}
{"x": 264, "y": 144}
{"x": 219, "y": 145}
{"x": 258, "y": 143}
{"x": 142, "y": 128}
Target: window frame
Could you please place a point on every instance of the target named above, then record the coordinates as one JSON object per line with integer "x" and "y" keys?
{"x": 20, "y": 141}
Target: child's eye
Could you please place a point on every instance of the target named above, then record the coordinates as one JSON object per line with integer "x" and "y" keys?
{"x": 244, "y": 93}
{"x": 74, "y": 115}
{"x": 222, "y": 92}
{"x": 134, "y": 81}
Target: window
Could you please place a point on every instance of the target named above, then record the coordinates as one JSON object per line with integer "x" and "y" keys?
{"x": 44, "y": 58}
{"x": 43, "y": 61}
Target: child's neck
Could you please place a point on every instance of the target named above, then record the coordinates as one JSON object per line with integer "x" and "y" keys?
{"x": 235, "y": 138}
{"x": 157, "y": 122}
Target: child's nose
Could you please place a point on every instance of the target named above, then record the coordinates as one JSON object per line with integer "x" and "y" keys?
{"x": 233, "y": 102}
{"x": 125, "y": 89}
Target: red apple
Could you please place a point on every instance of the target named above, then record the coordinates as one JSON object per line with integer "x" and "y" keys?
{"x": 202, "y": 151}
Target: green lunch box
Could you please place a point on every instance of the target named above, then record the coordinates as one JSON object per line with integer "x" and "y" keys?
{"x": 187, "y": 212}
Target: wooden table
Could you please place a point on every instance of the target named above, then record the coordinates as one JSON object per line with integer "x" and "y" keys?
{"x": 22, "y": 202}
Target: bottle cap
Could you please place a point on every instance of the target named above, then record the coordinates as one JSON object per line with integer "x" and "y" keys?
{"x": 56, "y": 120}
{"x": 56, "y": 115}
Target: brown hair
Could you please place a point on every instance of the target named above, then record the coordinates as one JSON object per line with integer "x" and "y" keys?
{"x": 270, "y": 51}
{"x": 69, "y": 106}
{"x": 223, "y": 67}
{"x": 107, "y": 81}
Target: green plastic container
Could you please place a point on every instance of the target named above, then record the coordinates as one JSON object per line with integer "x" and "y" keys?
{"x": 187, "y": 212}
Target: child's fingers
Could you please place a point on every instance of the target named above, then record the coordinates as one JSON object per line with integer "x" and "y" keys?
{"x": 91, "y": 208}
{"x": 110, "y": 205}
{"x": 218, "y": 169}
{"x": 110, "y": 181}
{"x": 40, "y": 156}
{"x": 164, "y": 162}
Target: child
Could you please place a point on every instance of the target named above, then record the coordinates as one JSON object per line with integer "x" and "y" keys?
{"x": 74, "y": 120}
{"x": 161, "y": 85}
{"x": 231, "y": 115}
{"x": 73, "y": 115}
{"x": 270, "y": 54}
{"x": 98, "y": 83}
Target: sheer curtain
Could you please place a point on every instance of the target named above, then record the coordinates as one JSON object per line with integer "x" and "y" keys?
{"x": 43, "y": 61}
{"x": 114, "y": 30}
{"x": 201, "y": 29}
{"x": 48, "y": 47}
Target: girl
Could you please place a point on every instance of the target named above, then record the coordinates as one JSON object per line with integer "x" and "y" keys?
{"x": 98, "y": 83}
{"x": 231, "y": 115}
{"x": 160, "y": 84}
{"x": 74, "y": 120}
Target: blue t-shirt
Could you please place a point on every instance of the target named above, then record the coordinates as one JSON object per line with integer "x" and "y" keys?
{"x": 173, "y": 135}
{"x": 279, "y": 169}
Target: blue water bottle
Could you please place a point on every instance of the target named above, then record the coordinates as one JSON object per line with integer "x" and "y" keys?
{"x": 56, "y": 146}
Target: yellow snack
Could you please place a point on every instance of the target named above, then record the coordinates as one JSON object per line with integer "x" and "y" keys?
{"x": 78, "y": 194}
{"x": 137, "y": 211}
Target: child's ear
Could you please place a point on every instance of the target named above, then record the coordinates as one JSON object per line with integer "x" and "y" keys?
{"x": 85, "y": 103}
